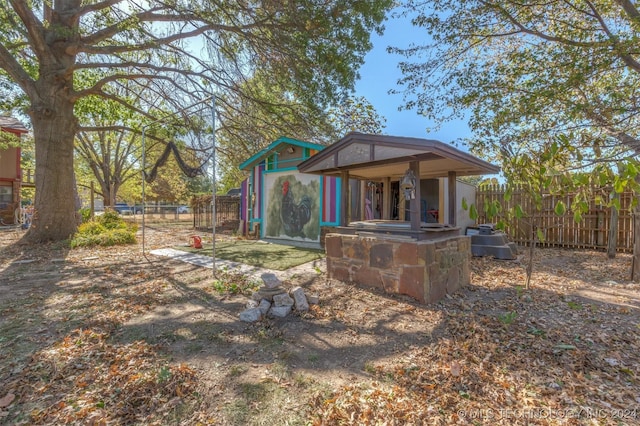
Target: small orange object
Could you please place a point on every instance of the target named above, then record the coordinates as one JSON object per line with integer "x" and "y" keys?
{"x": 195, "y": 242}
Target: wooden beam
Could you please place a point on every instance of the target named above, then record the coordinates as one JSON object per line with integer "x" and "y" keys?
{"x": 414, "y": 204}
{"x": 452, "y": 208}
{"x": 363, "y": 197}
{"x": 345, "y": 197}
{"x": 386, "y": 199}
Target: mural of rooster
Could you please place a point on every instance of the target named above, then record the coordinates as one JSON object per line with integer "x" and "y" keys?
{"x": 294, "y": 216}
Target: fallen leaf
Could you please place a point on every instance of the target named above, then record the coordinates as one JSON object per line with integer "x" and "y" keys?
{"x": 455, "y": 369}
{"x": 7, "y": 400}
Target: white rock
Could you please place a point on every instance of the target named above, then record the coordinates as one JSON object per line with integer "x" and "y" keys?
{"x": 313, "y": 299}
{"x": 280, "y": 311}
{"x": 282, "y": 300}
{"x": 264, "y": 306}
{"x": 251, "y": 304}
{"x": 251, "y": 315}
{"x": 300, "y": 299}
{"x": 270, "y": 280}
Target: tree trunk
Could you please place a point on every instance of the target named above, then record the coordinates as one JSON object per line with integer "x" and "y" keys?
{"x": 635, "y": 268}
{"x": 54, "y": 128}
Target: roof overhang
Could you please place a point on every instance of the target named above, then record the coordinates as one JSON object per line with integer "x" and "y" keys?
{"x": 10, "y": 124}
{"x": 276, "y": 146}
{"x": 374, "y": 157}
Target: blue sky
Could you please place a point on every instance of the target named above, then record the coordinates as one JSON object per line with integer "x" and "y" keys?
{"x": 380, "y": 73}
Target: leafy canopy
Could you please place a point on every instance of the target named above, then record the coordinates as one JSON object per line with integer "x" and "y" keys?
{"x": 530, "y": 71}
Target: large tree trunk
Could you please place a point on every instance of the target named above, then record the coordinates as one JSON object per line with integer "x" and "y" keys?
{"x": 54, "y": 128}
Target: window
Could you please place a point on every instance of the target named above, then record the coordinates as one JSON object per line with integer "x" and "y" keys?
{"x": 6, "y": 196}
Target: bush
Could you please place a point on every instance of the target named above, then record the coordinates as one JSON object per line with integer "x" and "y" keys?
{"x": 85, "y": 214}
{"x": 112, "y": 220}
{"x": 107, "y": 230}
{"x": 91, "y": 228}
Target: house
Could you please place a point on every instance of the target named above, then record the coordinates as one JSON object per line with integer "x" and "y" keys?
{"x": 10, "y": 171}
{"x": 280, "y": 202}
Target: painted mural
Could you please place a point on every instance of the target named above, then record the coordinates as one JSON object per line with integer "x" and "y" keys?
{"x": 292, "y": 209}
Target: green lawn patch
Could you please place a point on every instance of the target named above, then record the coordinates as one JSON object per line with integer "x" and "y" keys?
{"x": 261, "y": 254}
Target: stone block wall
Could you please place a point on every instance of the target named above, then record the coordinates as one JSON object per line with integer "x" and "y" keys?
{"x": 425, "y": 270}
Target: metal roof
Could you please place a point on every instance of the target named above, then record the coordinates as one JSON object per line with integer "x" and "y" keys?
{"x": 367, "y": 156}
{"x": 11, "y": 124}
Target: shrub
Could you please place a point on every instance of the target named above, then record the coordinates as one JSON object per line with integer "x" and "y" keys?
{"x": 112, "y": 220}
{"x": 85, "y": 214}
{"x": 91, "y": 228}
{"x": 107, "y": 230}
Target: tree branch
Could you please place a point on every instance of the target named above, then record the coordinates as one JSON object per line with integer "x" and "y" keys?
{"x": 16, "y": 72}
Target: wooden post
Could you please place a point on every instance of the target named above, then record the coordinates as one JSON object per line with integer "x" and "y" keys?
{"x": 92, "y": 195}
{"x": 363, "y": 197}
{"x": 414, "y": 204}
{"x": 386, "y": 199}
{"x": 452, "y": 199}
{"x": 612, "y": 241}
{"x": 344, "y": 211}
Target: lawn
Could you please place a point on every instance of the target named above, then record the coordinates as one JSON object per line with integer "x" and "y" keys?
{"x": 259, "y": 253}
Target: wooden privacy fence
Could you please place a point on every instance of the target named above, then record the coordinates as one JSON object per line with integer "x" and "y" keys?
{"x": 227, "y": 211}
{"x": 560, "y": 231}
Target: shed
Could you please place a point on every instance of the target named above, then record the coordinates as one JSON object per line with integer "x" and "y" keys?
{"x": 280, "y": 202}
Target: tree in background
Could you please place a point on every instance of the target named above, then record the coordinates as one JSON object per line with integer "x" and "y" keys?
{"x": 265, "y": 123}
{"x": 51, "y": 52}
{"x": 354, "y": 114}
{"x": 530, "y": 72}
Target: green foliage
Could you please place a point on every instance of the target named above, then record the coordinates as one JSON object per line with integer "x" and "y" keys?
{"x": 91, "y": 228}
{"x": 526, "y": 73}
{"x": 121, "y": 67}
{"x": 508, "y": 318}
{"x": 111, "y": 220}
{"x": 355, "y": 115}
{"x": 8, "y": 140}
{"x": 234, "y": 284}
{"x": 108, "y": 229}
{"x": 113, "y": 237}
{"x": 85, "y": 214}
{"x": 164, "y": 374}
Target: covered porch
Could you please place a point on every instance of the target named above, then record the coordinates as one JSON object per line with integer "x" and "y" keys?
{"x": 405, "y": 254}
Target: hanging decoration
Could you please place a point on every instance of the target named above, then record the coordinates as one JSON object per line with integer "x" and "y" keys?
{"x": 408, "y": 185}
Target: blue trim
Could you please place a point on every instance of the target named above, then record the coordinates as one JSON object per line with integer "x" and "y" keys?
{"x": 321, "y": 201}
{"x": 287, "y": 169}
{"x": 280, "y": 141}
{"x": 338, "y": 199}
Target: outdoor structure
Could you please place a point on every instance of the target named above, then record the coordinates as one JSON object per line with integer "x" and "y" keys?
{"x": 399, "y": 253}
{"x": 10, "y": 172}
{"x": 280, "y": 202}
{"x": 263, "y": 197}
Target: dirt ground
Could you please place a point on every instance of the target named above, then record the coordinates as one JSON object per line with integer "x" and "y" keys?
{"x": 109, "y": 336}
